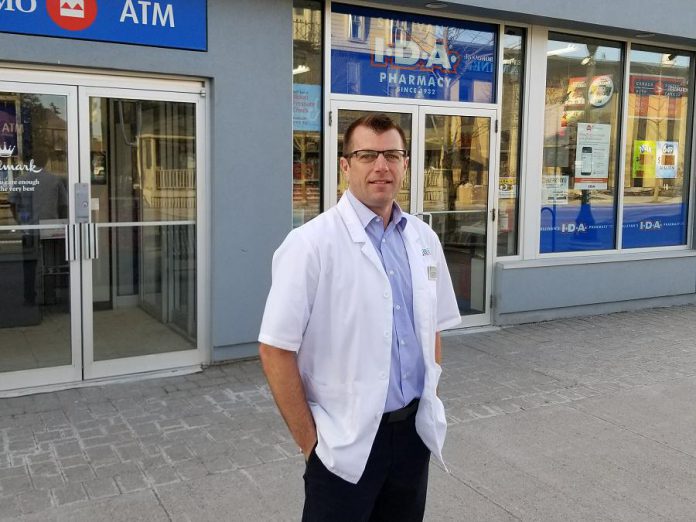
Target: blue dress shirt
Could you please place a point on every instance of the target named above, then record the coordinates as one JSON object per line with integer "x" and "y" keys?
{"x": 407, "y": 370}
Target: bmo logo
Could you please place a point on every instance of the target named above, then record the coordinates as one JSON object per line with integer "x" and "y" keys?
{"x": 72, "y": 15}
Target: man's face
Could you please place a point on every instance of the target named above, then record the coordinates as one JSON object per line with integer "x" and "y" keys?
{"x": 375, "y": 184}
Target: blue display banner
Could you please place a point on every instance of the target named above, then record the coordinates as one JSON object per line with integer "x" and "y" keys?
{"x": 383, "y": 53}
{"x": 570, "y": 228}
{"x": 180, "y": 24}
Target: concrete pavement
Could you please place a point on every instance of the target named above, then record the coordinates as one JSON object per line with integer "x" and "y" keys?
{"x": 575, "y": 419}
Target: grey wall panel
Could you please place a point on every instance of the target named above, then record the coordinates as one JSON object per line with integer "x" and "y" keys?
{"x": 535, "y": 316}
{"x": 252, "y": 187}
{"x": 520, "y": 288}
{"x": 670, "y": 20}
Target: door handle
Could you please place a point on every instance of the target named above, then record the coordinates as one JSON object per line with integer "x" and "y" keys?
{"x": 70, "y": 242}
{"x": 90, "y": 241}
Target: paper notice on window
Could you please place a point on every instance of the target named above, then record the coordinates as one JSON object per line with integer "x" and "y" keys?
{"x": 667, "y": 156}
{"x": 507, "y": 188}
{"x": 555, "y": 190}
{"x": 592, "y": 156}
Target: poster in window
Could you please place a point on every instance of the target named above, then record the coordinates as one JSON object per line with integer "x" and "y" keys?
{"x": 643, "y": 159}
{"x": 555, "y": 190}
{"x": 667, "y": 155}
{"x": 592, "y": 156}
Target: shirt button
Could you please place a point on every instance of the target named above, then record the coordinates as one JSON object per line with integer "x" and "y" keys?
{"x": 384, "y": 240}
{"x": 386, "y": 295}
{"x": 382, "y": 375}
{"x": 398, "y": 307}
{"x": 391, "y": 272}
{"x": 387, "y": 334}
{"x": 403, "y": 342}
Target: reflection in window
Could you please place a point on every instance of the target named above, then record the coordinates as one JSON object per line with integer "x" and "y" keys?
{"x": 657, "y": 134}
{"x": 400, "y": 55}
{"x": 356, "y": 28}
{"x": 307, "y": 110}
{"x": 510, "y": 141}
{"x": 581, "y": 124}
{"x": 143, "y": 171}
{"x": 455, "y": 188}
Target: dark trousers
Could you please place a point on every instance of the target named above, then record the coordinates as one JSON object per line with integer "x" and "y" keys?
{"x": 393, "y": 486}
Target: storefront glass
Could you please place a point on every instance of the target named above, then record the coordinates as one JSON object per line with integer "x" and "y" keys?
{"x": 399, "y": 55}
{"x": 457, "y": 166}
{"x": 657, "y": 143}
{"x": 510, "y": 141}
{"x": 307, "y": 110}
{"x": 34, "y": 274}
{"x": 581, "y": 130}
{"x": 143, "y": 191}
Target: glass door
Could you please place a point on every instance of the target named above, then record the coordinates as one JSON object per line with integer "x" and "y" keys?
{"x": 141, "y": 157}
{"x": 40, "y": 335}
{"x": 455, "y": 176}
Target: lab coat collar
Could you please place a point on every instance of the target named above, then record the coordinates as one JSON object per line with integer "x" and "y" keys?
{"x": 357, "y": 231}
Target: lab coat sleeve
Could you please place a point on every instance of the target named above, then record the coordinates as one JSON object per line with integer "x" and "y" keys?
{"x": 448, "y": 315}
{"x": 295, "y": 276}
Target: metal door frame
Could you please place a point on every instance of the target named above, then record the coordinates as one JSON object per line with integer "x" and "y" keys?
{"x": 491, "y": 230}
{"x": 160, "y": 361}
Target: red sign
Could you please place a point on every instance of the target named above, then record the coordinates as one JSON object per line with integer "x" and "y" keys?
{"x": 72, "y": 15}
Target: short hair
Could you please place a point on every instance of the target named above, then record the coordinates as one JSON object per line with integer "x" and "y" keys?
{"x": 379, "y": 123}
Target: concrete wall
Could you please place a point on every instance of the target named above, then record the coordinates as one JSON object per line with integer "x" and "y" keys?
{"x": 547, "y": 289}
{"x": 249, "y": 65}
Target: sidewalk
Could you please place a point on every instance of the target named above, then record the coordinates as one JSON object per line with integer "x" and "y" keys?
{"x": 576, "y": 419}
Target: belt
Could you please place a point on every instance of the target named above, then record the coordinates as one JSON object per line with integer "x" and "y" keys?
{"x": 402, "y": 413}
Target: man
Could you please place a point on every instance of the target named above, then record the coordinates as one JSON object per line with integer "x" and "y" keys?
{"x": 350, "y": 339}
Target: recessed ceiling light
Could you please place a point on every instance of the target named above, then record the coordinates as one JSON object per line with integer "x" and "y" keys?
{"x": 645, "y": 35}
{"x": 436, "y": 5}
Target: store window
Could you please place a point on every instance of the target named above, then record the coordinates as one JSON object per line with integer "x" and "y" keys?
{"x": 510, "y": 140}
{"x": 658, "y": 132}
{"x": 581, "y": 133}
{"x": 384, "y": 53}
{"x": 306, "y": 110}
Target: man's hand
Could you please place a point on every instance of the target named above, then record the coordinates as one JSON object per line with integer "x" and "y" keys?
{"x": 280, "y": 367}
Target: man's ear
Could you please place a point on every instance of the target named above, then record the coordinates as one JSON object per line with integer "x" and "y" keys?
{"x": 345, "y": 166}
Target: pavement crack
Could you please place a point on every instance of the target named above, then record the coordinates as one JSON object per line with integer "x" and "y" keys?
{"x": 489, "y": 499}
{"x": 634, "y": 432}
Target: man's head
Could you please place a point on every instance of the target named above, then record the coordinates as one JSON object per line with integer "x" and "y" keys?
{"x": 374, "y": 161}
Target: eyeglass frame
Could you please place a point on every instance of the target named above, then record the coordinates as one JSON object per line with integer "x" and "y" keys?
{"x": 403, "y": 151}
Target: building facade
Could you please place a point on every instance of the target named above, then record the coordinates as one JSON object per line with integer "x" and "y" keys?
{"x": 154, "y": 154}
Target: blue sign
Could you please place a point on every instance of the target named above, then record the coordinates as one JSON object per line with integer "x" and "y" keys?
{"x": 383, "y": 53}
{"x": 180, "y": 24}
{"x": 569, "y": 228}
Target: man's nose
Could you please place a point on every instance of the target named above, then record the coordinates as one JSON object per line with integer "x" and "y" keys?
{"x": 381, "y": 162}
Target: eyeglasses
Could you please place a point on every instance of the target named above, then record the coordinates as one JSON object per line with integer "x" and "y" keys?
{"x": 370, "y": 156}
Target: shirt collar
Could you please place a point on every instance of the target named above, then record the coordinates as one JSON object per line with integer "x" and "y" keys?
{"x": 365, "y": 215}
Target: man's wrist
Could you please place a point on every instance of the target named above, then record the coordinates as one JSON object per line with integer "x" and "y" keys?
{"x": 307, "y": 450}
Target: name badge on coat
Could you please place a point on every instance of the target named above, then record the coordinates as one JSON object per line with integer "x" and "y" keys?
{"x": 432, "y": 273}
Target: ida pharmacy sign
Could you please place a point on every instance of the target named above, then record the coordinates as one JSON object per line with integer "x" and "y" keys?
{"x": 180, "y": 24}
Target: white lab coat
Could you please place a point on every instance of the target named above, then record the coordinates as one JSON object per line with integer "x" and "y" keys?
{"x": 331, "y": 301}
